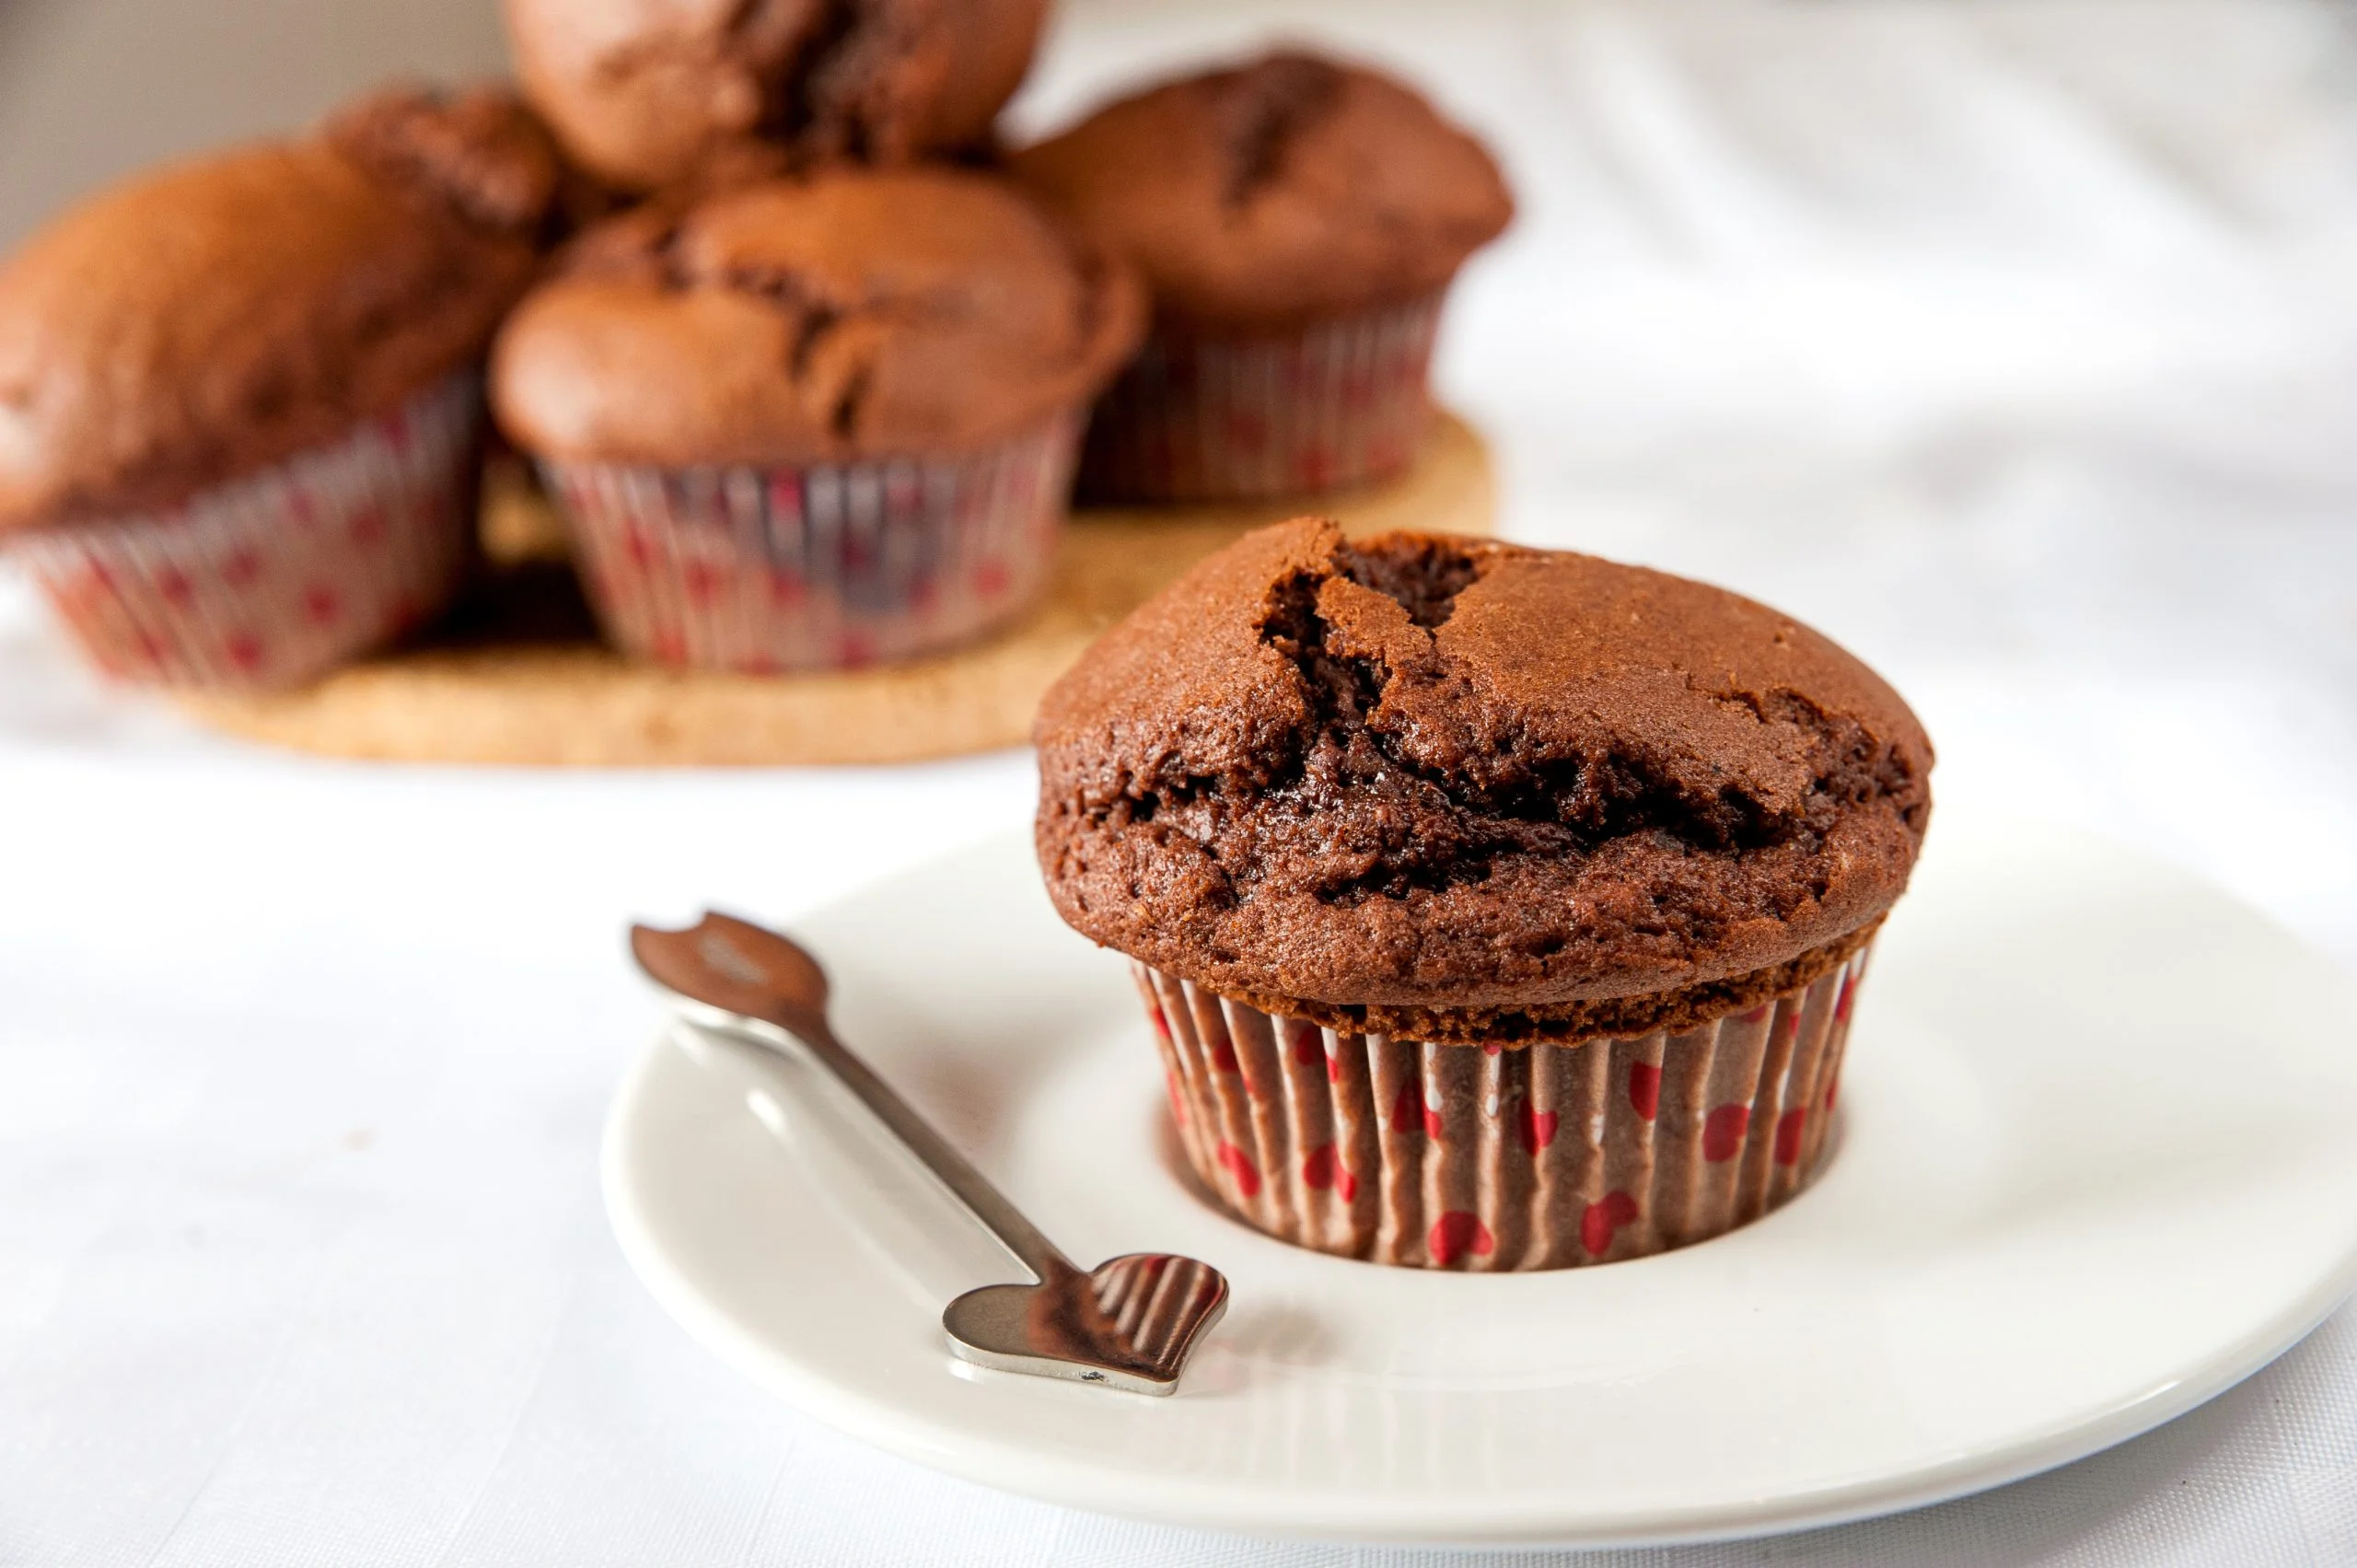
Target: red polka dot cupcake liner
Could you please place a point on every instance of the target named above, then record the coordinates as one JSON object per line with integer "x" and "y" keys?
{"x": 1341, "y": 403}
{"x": 826, "y": 566}
{"x": 277, "y": 577}
{"x": 1478, "y": 1157}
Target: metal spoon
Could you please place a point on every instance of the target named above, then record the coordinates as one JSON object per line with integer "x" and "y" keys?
{"x": 1128, "y": 1324}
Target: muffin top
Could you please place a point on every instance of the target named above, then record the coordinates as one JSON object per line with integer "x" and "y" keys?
{"x": 194, "y": 324}
{"x": 857, "y": 314}
{"x": 1285, "y": 190}
{"x": 1456, "y": 790}
{"x": 648, "y": 93}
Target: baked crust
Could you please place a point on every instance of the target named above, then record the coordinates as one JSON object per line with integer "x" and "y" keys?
{"x": 1421, "y": 777}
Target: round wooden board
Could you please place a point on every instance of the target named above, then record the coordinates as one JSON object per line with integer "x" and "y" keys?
{"x": 518, "y": 677}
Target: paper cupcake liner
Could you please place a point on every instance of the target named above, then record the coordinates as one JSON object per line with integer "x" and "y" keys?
{"x": 1478, "y": 1157}
{"x": 828, "y": 566}
{"x": 278, "y": 576}
{"x": 1209, "y": 419}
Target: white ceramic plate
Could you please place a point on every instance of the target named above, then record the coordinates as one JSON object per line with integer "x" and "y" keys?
{"x": 2098, "y": 1162}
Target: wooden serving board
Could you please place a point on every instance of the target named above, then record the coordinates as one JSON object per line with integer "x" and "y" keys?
{"x": 518, "y": 676}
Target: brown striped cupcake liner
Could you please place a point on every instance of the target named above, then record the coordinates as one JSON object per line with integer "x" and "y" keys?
{"x": 820, "y": 566}
{"x": 1489, "y": 1158}
{"x": 1200, "y": 418}
{"x": 276, "y": 578}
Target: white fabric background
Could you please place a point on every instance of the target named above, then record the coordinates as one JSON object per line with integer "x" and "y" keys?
{"x": 2013, "y": 343}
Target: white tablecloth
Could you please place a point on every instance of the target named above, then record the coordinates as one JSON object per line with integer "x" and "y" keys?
{"x": 2014, "y": 343}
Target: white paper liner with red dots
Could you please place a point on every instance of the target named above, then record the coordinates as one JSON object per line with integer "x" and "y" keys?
{"x": 1337, "y": 404}
{"x": 277, "y": 577}
{"x": 827, "y": 566}
{"x": 1477, "y": 1158}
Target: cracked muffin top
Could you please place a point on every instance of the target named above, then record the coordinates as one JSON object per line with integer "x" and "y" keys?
{"x": 858, "y": 314}
{"x": 1277, "y": 193}
{"x": 1456, "y": 790}
{"x": 650, "y": 93}
{"x": 192, "y": 325}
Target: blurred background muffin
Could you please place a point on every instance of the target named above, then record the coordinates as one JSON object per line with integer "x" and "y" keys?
{"x": 650, "y": 93}
{"x": 239, "y": 404}
{"x": 815, "y": 423}
{"x": 1298, "y": 220}
{"x": 807, "y": 391}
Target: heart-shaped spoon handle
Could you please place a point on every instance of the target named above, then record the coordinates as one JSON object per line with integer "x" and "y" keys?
{"x": 752, "y": 981}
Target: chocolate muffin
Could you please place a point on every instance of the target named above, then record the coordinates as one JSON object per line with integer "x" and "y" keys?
{"x": 1298, "y": 221}
{"x": 801, "y": 424}
{"x": 238, "y": 405}
{"x": 653, "y": 93}
{"x": 1497, "y": 907}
